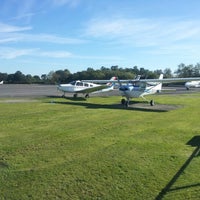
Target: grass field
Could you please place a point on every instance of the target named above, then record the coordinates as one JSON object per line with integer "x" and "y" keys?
{"x": 57, "y": 148}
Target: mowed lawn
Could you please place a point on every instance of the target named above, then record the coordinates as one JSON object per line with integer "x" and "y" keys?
{"x": 57, "y": 148}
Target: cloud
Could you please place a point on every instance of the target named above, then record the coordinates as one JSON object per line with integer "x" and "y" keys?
{"x": 50, "y": 39}
{"x": 143, "y": 32}
{"x": 9, "y": 33}
{"x": 12, "y": 53}
{"x": 56, "y": 54}
{"x": 117, "y": 27}
{"x": 8, "y": 40}
{"x": 70, "y": 3}
{"x": 27, "y": 15}
{"x": 20, "y": 10}
{"x": 5, "y": 28}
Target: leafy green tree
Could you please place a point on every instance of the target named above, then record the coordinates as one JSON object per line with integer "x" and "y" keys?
{"x": 184, "y": 71}
{"x": 64, "y": 76}
{"x": 36, "y": 79}
{"x": 29, "y": 78}
{"x": 44, "y": 78}
{"x": 168, "y": 73}
{"x": 3, "y": 76}
{"x": 196, "y": 70}
{"x": 19, "y": 77}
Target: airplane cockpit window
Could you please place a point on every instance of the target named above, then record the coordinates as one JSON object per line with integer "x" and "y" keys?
{"x": 73, "y": 83}
{"x": 136, "y": 83}
{"x": 142, "y": 85}
{"x": 139, "y": 84}
{"x": 79, "y": 83}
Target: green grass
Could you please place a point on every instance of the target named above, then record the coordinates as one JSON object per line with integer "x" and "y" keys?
{"x": 61, "y": 149}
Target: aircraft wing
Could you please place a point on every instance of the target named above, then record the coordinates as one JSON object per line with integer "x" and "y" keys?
{"x": 171, "y": 80}
{"x": 166, "y": 80}
{"x": 102, "y": 81}
{"x": 93, "y": 89}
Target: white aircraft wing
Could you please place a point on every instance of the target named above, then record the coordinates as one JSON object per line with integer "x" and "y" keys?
{"x": 102, "y": 81}
{"x": 171, "y": 80}
{"x": 93, "y": 89}
{"x": 166, "y": 80}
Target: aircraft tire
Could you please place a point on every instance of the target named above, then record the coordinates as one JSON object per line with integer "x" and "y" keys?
{"x": 87, "y": 96}
{"x": 152, "y": 103}
{"x": 123, "y": 101}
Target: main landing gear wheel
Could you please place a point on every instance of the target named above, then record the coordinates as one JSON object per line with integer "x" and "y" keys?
{"x": 87, "y": 96}
{"x": 152, "y": 103}
{"x": 125, "y": 103}
{"x": 75, "y": 95}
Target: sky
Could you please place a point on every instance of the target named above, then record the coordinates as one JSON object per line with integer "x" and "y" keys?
{"x": 37, "y": 37}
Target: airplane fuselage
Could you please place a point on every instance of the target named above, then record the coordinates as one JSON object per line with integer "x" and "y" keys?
{"x": 84, "y": 88}
{"x": 76, "y": 86}
{"x": 192, "y": 84}
{"x": 131, "y": 91}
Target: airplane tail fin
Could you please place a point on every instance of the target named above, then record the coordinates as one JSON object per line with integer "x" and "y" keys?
{"x": 161, "y": 76}
{"x": 137, "y": 78}
{"x": 159, "y": 86}
{"x": 111, "y": 83}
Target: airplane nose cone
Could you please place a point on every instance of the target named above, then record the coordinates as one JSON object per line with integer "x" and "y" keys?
{"x": 187, "y": 84}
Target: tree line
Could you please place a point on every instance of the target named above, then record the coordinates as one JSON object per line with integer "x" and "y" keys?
{"x": 65, "y": 76}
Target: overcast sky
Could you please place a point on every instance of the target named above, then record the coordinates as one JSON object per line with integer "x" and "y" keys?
{"x": 37, "y": 37}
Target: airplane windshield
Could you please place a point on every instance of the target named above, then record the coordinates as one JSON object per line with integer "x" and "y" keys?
{"x": 139, "y": 84}
{"x": 78, "y": 83}
{"x": 73, "y": 82}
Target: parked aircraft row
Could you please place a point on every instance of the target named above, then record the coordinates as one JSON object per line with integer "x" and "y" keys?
{"x": 134, "y": 88}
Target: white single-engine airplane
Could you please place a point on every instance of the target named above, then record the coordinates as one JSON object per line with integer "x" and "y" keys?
{"x": 141, "y": 87}
{"x": 86, "y": 87}
{"x": 192, "y": 84}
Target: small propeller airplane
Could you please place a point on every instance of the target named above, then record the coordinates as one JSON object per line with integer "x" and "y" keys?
{"x": 192, "y": 84}
{"x": 136, "y": 88}
{"x": 86, "y": 87}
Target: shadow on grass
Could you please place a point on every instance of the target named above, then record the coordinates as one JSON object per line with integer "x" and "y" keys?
{"x": 3, "y": 164}
{"x": 194, "y": 142}
{"x": 110, "y": 106}
{"x": 69, "y": 98}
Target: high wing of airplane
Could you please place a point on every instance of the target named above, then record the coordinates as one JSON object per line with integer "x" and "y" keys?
{"x": 1, "y": 82}
{"x": 192, "y": 84}
{"x": 86, "y": 87}
{"x": 136, "y": 88}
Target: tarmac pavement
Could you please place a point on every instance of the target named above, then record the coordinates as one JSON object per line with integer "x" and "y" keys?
{"x": 35, "y": 90}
